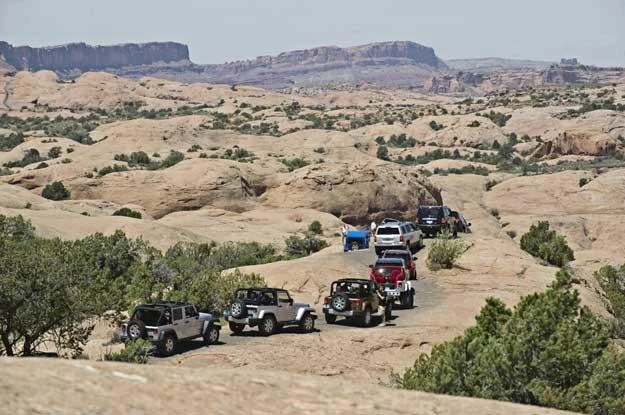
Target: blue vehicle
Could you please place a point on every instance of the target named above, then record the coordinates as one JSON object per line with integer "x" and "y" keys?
{"x": 356, "y": 240}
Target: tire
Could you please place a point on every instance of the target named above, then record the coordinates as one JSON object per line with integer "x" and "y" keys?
{"x": 388, "y": 311}
{"x": 167, "y": 346}
{"x": 407, "y": 300}
{"x": 366, "y": 320}
{"x": 378, "y": 251}
{"x": 421, "y": 245}
{"x": 136, "y": 330}
{"x": 330, "y": 318}
{"x": 267, "y": 325}
{"x": 236, "y": 328}
{"x": 211, "y": 335}
{"x": 340, "y": 302}
{"x": 307, "y": 323}
{"x": 355, "y": 246}
{"x": 238, "y": 309}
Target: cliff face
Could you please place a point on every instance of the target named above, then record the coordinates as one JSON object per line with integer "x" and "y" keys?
{"x": 82, "y": 57}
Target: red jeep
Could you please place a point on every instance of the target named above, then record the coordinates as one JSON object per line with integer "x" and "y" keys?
{"x": 392, "y": 274}
{"x": 408, "y": 260}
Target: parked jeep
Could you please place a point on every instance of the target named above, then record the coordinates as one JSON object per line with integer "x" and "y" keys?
{"x": 433, "y": 219}
{"x": 167, "y": 323}
{"x": 269, "y": 309}
{"x": 393, "y": 274}
{"x": 397, "y": 235}
{"x": 352, "y": 298}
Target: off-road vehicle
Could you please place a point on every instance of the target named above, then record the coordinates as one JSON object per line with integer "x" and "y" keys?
{"x": 409, "y": 260}
{"x": 397, "y": 235}
{"x": 433, "y": 219}
{"x": 167, "y": 323}
{"x": 269, "y": 309}
{"x": 352, "y": 298}
{"x": 394, "y": 276}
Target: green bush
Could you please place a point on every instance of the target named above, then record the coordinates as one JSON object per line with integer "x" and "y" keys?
{"x": 295, "y": 163}
{"x": 380, "y": 140}
{"x": 172, "y": 159}
{"x": 8, "y": 143}
{"x": 31, "y": 156}
{"x": 444, "y": 251}
{"x": 401, "y": 141}
{"x": 5, "y": 171}
{"x": 116, "y": 168}
{"x": 315, "y": 227}
{"x": 382, "y": 153}
{"x": 194, "y": 148}
{"x": 436, "y": 126}
{"x": 583, "y": 181}
{"x": 320, "y": 150}
{"x": 474, "y": 123}
{"x": 41, "y": 165}
{"x": 135, "y": 351}
{"x": 547, "y": 245}
{"x": 297, "y": 247}
{"x": 497, "y": 117}
{"x": 612, "y": 282}
{"x": 490, "y": 184}
{"x": 128, "y": 213}
{"x": 55, "y": 191}
{"x": 548, "y": 351}
{"x": 54, "y": 152}
{"x": 511, "y": 234}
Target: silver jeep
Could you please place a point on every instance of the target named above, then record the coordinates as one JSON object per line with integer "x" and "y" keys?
{"x": 167, "y": 323}
{"x": 269, "y": 309}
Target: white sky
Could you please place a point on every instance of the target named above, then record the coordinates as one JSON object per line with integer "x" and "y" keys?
{"x": 218, "y": 31}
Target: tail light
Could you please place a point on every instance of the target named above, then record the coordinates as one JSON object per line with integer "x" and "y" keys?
{"x": 356, "y": 301}
{"x": 124, "y": 326}
{"x": 155, "y": 332}
{"x": 326, "y": 300}
{"x": 401, "y": 238}
{"x": 443, "y": 220}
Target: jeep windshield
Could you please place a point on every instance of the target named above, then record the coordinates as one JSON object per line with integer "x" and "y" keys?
{"x": 429, "y": 211}
{"x": 256, "y": 296}
{"x": 149, "y": 316}
{"x": 391, "y": 230}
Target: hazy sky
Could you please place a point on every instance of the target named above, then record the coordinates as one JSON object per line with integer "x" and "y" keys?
{"x": 221, "y": 30}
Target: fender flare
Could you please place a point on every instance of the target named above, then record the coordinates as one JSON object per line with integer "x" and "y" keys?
{"x": 208, "y": 323}
{"x": 263, "y": 313}
{"x": 304, "y": 310}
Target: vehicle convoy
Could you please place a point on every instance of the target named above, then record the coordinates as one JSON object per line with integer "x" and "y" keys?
{"x": 394, "y": 276}
{"x": 397, "y": 235}
{"x": 433, "y": 219}
{"x": 269, "y": 309}
{"x": 353, "y": 298}
{"x": 167, "y": 323}
{"x": 356, "y": 240}
{"x": 462, "y": 225}
{"x": 409, "y": 260}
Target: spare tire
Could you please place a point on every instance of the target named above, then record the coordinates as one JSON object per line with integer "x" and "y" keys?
{"x": 238, "y": 309}
{"x": 340, "y": 302}
{"x": 136, "y": 330}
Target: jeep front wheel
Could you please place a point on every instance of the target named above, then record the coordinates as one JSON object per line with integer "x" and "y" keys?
{"x": 211, "y": 335}
{"x": 167, "y": 346}
{"x": 267, "y": 326}
{"x": 307, "y": 324}
{"x": 407, "y": 299}
{"x": 330, "y": 318}
{"x": 236, "y": 328}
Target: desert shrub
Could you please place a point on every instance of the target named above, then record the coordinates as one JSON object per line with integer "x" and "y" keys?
{"x": 174, "y": 157}
{"x": 612, "y": 282}
{"x": 495, "y": 213}
{"x": 320, "y": 150}
{"x": 511, "y": 234}
{"x": 548, "y": 351}
{"x": 401, "y": 141}
{"x": 66, "y": 160}
{"x": 584, "y": 181}
{"x": 382, "y": 153}
{"x": 490, "y": 184}
{"x": 203, "y": 156}
{"x": 474, "y": 123}
{"x": 55, "y": 191}
{"x": 136, "y": 158}
{"x": 129, "y": 213}
{"x": 497, "y": 117}
{"x": 294, "y": 163}
{"x": 69, "y": 150}
{"x": 5, "y": 171}
{"x": 54, "y": 152}
{"x": 297, "y": 247}
{"x": 436, "y": 126}
{"x": 31, "y": 156}
{"x": 41, "y": 165}
{"x": 380, "y": 140}
{"x": 135, "y": 351}
{"x": 547, "y": 245}
{"x": 115, "y": 168}
{"x": 9, "y": 142}
{"x": 194, "y": 148}
{"x": 444, "y": 251}
{"x": 315, "y": 227}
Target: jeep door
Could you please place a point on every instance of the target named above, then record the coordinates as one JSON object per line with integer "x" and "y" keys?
{"x": 285, "y": 311}
{"x": 192, "y": 321}
{"x": 179, "y": 323}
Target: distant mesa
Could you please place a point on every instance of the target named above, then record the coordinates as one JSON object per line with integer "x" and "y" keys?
{"x": 569, "y": 61}
{"x": 83, "y": 57}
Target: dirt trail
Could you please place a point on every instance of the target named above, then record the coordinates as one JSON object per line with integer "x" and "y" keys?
{"x": 5, "y": 99}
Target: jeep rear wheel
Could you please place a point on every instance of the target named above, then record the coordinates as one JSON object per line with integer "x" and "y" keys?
{"x": 365, "y": 319}
{"x": 136, "y": 330}
{"x": 167, "y": 346}
{"x": 267, "y": 325}
{"x": 307, "y": 324}
{"x": 211, "y": 335}
{"x": 236, "y": 328}
{"x": 330, "y": 318}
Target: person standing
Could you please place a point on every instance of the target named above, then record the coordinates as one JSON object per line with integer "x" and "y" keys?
{"x": 384, "y": 305}
{"x": 373, "y": 227}
{"x": 344, "y": 229}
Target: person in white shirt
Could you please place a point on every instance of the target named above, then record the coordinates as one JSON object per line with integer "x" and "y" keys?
{"x": 373, "y": 227}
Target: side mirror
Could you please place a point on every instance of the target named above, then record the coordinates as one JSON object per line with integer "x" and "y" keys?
{"x": 370, "y": 265}
{"x": 414, "y": 258}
